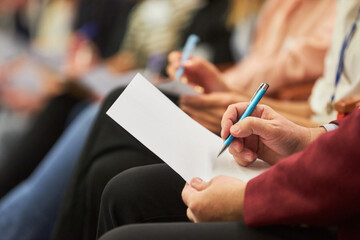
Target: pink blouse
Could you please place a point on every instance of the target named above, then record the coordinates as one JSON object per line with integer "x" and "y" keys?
{"x": 290, "y": 44}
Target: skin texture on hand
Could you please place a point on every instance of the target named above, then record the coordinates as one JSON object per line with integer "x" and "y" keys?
{"x": 264, "y": 134}
{"x": 220, "y": 199}
{"x": 198, "y": 72}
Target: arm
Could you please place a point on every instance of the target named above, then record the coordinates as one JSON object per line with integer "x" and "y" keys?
{"x": 318, "y": 186}
{"x": 265, "y": 134}
{"x": 199, "y": 72}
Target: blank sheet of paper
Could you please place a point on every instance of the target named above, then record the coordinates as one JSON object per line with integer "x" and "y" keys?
{"x": 186, "y": 146}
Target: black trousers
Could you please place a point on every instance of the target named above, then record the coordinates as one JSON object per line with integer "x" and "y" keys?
{"x": 152, "y": 194}
{"x": 108, "y": 151}
{"x": 36, "y": 142}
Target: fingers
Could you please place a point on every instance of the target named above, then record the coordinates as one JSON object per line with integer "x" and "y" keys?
{"x": 243, "y": 156}
{"x": 190, "y": 215}
{"x": 230, "y": 117}
{"x": 200, "y": 67}
{"x": 186, "y": 193}
{"x": 190, "y": 195}
{"x": 198, "y": 101}
{"x": 200, "y": 72}
{"x": 208, "y": 100}
{"x": 174, "y": 59}
{"x": 252, "y": 126}
{"x": 190, "y": 190}
{"x": 198, "y": 184}
{"x": 174, "y": 56}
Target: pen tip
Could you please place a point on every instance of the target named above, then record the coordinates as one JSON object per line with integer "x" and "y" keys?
{"x": 222, "y": 150}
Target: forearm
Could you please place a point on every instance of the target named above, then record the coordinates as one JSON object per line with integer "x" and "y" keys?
{"x": 301, "y": 183}
{"x": 296, "y": 108}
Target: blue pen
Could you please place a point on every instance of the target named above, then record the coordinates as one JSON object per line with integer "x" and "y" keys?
{"x": 188, "y": 49}
{"x": 252, "y": 104}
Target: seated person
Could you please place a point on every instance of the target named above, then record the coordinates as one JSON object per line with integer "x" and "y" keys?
{"x": 318, "y": 109}
{"x": 152, "y": 35}
{"x": 310, "y": 187}
{"x": 109, "y": 151}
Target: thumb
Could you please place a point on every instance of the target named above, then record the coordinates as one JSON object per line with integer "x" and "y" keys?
{"x": 252, "y": 126}
{"x": 198, "y": 184}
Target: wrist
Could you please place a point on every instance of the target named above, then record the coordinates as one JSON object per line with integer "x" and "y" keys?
{"x": 307, "y": 136}
{"x": 315, "y": 133}
{"x": 242, "y": 201}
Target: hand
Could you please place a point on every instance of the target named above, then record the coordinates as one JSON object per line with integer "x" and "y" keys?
{"x": 208, "y": 109}
{"x": 198, "y": 72}
{"x": 221, "y": 199}
{"x": 264, "y": 134}
{"x": 81, "y": 57}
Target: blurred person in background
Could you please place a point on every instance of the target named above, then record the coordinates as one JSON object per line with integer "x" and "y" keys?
{"x": 288, "y": 51}
{"x": 299, "y": 206}
{"x": 36, "y": 143}
{"x": 35, "y": 87}
{"x": 27, "y": 83}
{"x": 339, "y": 79}
{"x": 80, "y": 224}
{"x": 51, "y": 174}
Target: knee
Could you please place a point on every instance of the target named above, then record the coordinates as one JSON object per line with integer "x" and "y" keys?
{"x": 123, "y": 189}
{"x": 98, "y": 176}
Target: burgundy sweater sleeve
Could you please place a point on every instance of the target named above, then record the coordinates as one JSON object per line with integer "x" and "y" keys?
{"x": 318, "y": 186}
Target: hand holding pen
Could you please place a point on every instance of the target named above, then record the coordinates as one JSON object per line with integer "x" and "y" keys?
{"x": 187, "y": 51}
{"x": 265, "y": 134}
{"x": 198, "y": 71}
{"x": 252, "y": 104}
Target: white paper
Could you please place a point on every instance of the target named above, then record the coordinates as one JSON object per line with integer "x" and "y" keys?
{"x": 186, "y": 146}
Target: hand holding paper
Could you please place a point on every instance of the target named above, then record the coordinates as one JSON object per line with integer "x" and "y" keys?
{"x": 178, "y": 140}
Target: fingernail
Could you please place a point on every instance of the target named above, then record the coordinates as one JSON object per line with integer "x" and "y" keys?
{"x": 248, "y": 157}
{"x": 196, "y": 181}
{"x": 235, "y": 129}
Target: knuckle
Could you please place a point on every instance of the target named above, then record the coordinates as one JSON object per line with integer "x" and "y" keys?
{"x": 231, "y": 106}
{"x": 183, "y": 195}
{"x": 195, "y": 207}
{"x": 241, "y": 162}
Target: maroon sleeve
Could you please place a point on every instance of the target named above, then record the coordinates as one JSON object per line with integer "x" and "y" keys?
{"x": 318, "y": 186}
